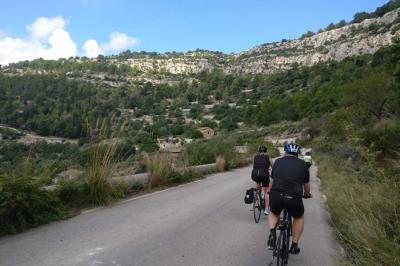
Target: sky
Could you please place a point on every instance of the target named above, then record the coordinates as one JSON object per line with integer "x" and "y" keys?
{"x": 54, "y": 29}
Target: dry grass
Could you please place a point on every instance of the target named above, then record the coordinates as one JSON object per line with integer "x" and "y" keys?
{"x": 159, "y": 166}
{"x": 365, "y": 214}
{"x": 102, "y": 163}
{"x": 220, "y": 162}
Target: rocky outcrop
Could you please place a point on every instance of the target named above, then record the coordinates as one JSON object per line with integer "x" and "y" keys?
{"x": 354, "y": 39}
{"x": 183, "y": 65}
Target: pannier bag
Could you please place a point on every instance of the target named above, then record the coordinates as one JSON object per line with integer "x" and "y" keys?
{"x": 249, "y": 197}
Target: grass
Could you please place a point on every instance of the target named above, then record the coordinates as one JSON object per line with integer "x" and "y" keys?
{"x": 365, "y": 210}
{"x": 102, "y": 163}
{"x": 220, "y": 161}
{"x": 159, "y": 166}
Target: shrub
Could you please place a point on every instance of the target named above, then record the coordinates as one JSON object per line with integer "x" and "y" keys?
{"x": 206, "y": 151}
{"x": 137, "y": 186}
{"x": 73, "y": 193}
{"x": 179, "y": 177}
{"x": 383, "y": 138}
{"x": 24, "y": 204}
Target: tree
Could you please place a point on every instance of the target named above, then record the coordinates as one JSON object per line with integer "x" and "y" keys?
{"x": 196, "y": 111}
{"x": 371, "y": 97}
{"x": 307, "y": 34}
{"x": 341, "y": 23}
{"x": 358, "y": 17}
{"x": 331, "y": 26}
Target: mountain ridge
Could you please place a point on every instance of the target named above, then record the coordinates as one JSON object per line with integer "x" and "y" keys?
{"x": 364, "y": 37}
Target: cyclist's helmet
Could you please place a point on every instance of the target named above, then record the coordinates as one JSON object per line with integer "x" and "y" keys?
{"x": 262, "y": 148}
{"x": 292, "y": 148}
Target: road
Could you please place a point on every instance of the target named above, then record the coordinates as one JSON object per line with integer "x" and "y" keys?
{"x": 200, "y": 223}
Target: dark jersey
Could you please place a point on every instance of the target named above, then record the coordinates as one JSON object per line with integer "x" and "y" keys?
{"x": 289, "y": 174}
{"x": 261, "y": 166}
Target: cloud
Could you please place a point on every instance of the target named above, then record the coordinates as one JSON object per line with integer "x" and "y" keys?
{"x": 43, "y": 27}
{"x": 47, "y": 39}
{"x": 117, "y": 42}
{"x": 91, "y": 48}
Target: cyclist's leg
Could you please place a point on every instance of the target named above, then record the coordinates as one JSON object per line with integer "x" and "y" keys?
{"x": 265, "y": 185}
{"x": 266, "y": 198}
{"x": 276, "y": 205}
{"x": 296, "y": 209}
{"x": 297, "y": 227}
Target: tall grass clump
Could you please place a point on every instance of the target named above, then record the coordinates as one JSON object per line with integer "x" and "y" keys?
{"x": 102, "y": 161}
{"x": 220, "y": 162}
{"x": 159, "y": 166}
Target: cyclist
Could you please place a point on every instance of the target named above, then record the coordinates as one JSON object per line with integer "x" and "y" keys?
{"x": 289, "y": 176}
{"x": 260, "y": 173}
{"x": 307, "y": 159}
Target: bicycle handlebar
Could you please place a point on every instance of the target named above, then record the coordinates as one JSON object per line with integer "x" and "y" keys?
{"x": 305, "y": 196}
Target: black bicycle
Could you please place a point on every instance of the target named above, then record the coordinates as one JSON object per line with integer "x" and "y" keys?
{"x": 281, "y": 250}
{"x": 258, "y": 204}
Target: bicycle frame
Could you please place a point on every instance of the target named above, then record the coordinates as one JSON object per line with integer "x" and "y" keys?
{"x": 281, "y": 250}
{"x": 257, "y": 204}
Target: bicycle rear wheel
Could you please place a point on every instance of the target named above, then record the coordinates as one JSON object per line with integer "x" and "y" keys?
{"x": 278, "y": 252}
{"x": 257, "y": 206}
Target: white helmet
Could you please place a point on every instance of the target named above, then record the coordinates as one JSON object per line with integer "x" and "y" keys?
{"x": 292, "y": 148}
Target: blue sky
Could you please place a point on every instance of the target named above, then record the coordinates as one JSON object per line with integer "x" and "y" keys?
{"x": 173, "y": 25}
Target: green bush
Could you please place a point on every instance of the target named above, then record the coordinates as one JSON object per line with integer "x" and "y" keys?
{"x": 206, "y": 151}
{"x": 137, "y": 186}
{"x": 384, "y": 138}
{"x": 23, "y": 204}
{"x": 73, "y": 193}
{"x": 179, "y": 177}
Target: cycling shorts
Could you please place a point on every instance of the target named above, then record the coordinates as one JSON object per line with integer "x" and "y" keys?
{"x": 264, "y": 180}
{"x": 279, "y": 201}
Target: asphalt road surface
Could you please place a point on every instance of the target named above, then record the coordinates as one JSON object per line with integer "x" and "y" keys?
{"x": 200, "y": 223}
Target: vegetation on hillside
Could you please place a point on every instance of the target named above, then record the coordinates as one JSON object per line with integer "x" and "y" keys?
{"x": 352, "y": 114}
{"x": 359, "y": 17}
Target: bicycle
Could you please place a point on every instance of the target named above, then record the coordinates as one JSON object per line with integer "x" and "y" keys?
{"x": 258, "y": 204}
{"x": 281, "y": 250}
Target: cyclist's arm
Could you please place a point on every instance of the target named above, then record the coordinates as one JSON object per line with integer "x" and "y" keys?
{"x": 307, "y": 183}
{"x": 307, "y": 188}
{"x": 271, "y": 163}
{"x": 272, "y": 176}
